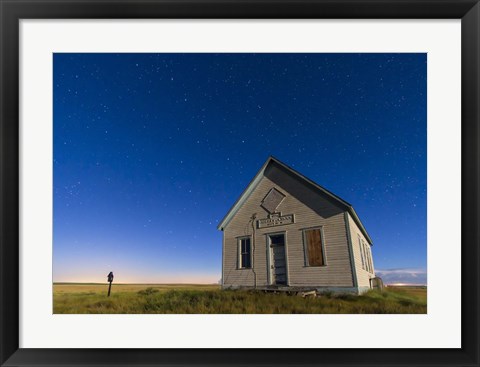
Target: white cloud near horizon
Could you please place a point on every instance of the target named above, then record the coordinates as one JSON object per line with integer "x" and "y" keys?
{"x": 414, "y": 276}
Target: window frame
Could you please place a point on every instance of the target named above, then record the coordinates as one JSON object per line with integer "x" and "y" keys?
{"x": 371, "y": 258}
{"x": 369, "y": 255}
{"x": 362, "y": 255}
{"x": 239, "y": 253}
{"x": 305, "y": 247}
{"x": 367, "y": 246}
{"x": 365, "y": 256}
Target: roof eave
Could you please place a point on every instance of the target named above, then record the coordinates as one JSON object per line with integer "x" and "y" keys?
{"x": 355, "y": 217}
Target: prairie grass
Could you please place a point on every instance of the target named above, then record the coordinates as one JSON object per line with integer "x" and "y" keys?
{"x": 209, "y": 299}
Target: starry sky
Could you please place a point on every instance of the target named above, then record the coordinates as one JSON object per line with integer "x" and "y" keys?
{"x": 151, "y": 151}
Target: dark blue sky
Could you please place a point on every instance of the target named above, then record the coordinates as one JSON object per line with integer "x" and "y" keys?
{"x": 151, "y": 150}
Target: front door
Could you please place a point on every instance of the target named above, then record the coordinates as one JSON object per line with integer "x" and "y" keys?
{"x": 278, "y": 264}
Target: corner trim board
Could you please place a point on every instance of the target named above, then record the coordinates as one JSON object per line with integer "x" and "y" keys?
{"x": 350, "y": 251}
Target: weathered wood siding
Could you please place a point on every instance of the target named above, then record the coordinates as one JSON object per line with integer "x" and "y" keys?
{"x": 320, "y": 212}
{"x": 363, "y": 276}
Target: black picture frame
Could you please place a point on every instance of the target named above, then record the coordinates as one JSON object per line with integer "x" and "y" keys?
{"x": 13, "y": 10}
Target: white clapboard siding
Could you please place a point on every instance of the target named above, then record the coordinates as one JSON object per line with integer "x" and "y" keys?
{"x": 363, "y": 276}
{"x": 319, "y": 211}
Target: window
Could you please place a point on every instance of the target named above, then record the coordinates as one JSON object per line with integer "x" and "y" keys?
{"x": 367, "y": 259}
{"x": 365, "y": 255}
{"x": 371, "y": 259}
{"x": 362, "y": 256}
{"x": 369, "y": 255}
{"x": 314, "y": 247}
{"x": 245, "y": 253}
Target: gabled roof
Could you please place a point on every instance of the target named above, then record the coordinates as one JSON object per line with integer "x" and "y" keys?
{"x": 256, "y": 180}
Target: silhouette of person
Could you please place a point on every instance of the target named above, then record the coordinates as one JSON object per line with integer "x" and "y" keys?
{"x": 110, "y": 277}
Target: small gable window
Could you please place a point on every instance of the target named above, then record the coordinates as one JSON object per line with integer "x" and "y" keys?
{"x": 314, "y": 247}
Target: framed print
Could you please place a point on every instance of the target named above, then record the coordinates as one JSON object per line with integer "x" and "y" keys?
{"x": 239, "y": 183}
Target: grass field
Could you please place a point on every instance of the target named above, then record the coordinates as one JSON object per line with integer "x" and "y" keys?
{"x": 200, "y": 299}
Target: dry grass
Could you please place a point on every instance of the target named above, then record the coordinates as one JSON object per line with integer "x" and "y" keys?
{"x": 209, "y": 299}
{"x": 59, "y": 288}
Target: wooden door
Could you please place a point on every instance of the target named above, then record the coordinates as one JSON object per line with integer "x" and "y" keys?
{"x": 278, "y": 266}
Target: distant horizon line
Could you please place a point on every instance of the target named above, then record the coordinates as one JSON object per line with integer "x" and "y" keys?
{"x": 185, "y": 283}
{"x": 96, "y": 283}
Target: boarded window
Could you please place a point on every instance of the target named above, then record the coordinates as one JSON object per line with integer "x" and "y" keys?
{"x": 314, "y": 247}
{"x": 272, "y": 200}
{"x": 245, "y": 253}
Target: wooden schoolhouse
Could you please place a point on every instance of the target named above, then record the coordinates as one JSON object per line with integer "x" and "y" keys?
{"x": 287, "y": 232}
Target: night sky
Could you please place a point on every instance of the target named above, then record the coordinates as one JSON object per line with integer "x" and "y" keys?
{"x": 151, "y": 150}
